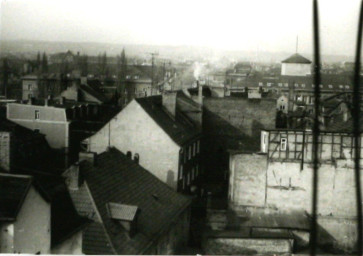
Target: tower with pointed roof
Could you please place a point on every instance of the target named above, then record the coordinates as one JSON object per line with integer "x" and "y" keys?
{"x": 296, "y": 65}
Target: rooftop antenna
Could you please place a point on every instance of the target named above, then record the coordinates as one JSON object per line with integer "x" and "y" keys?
{"x": 297, "y": 42}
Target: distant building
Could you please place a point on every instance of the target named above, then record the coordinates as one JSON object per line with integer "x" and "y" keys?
{"x": 296, "y": 65}
{"x": 60, "y": 121}
{"x": 132, "y": 211}
{"x": 41, "y": 86}
{"x": 162, "y": 133}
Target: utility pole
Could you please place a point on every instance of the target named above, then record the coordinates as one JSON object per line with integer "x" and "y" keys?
{"x": 153, "y": 54}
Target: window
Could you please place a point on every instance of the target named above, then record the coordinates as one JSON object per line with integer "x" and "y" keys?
{"x": 296, "y": 85}
{"x": 194, "y": 149}
{"x": 190, "y": 152}
{"x": 347, "y": 87}
{"x": 280, "y": 84}
{"x": 129, "y": 154}
{"x": 313, "y": 86}
{"x": 282, "y": 107}
{"x": 341, "y": 86}
{"x": 283, "y": 144}
{"x": 37, "y": 130}
{"x": 181, "y": 172}
{"x": 286, "y": 84}
{"x": 188, "y": 179}
{"x": 196, "y": 171}
{"x": 330, "y": 86}
{"x": 37, "y": 115}
{"x": 192, "y": 174}
{"x": 269, "y": 84}
{"x": 321, "y": 86}
{"x": 260, "y": 84}
{"x": 30, "y": 87}
{"x": 303, "y": 85}
{"x": 198, "y": 146}
{"x": 185, "y": 156}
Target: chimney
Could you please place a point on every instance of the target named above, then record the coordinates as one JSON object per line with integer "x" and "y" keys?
{"x": 62, "y": 100}
{"x": 200, "y": 93}
{"x": 83, "y": 80}
{"x": 169, "y": 102}
{"x": 88, "y": 156}
{"x": 72, "y": 176}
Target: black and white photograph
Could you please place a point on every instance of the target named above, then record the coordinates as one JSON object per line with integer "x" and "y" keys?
{"x": 181, "y": 127}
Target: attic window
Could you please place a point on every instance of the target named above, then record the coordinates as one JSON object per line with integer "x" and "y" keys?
{"x": 125, "y": 214}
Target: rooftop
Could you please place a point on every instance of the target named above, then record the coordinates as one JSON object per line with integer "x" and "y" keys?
{"x": 297, "y": 58}
{"x": 179, "y": 129}
{"x": 13, "y": 190}
{"x": 118, "y": 179}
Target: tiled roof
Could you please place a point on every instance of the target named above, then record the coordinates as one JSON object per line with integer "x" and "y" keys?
{"x": 180, "y": 130}
{"x": 122, "y": 211}
{"x": 346, "y": 127}
{"x": 296, "y": 58}
{"x": 93, "y": 92}
{"x": 116, "y": 178}
{"x": 13, "y": 190}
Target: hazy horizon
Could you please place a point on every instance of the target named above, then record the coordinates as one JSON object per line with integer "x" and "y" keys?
{"x": 257, "y": 26}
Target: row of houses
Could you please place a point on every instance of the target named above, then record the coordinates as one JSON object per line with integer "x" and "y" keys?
{"x": 120, "y": 195}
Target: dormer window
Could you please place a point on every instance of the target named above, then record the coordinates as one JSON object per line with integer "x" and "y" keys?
{"x": 124, "y": 214}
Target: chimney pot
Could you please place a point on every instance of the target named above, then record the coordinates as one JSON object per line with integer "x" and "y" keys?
{"x": 169, "y": 102}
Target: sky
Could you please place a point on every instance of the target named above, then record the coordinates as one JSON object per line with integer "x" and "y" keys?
{"x": 246, "y": 25}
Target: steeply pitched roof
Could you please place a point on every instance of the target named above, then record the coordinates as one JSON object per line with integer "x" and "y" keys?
{"x": 13, "y": 190}
{"x": 180, "y": 130}
{"x": 65, "y": 221}
{"x": 88, "y": 89}
{"x": 297, "y": 58}
{"x": 116, "y": 178}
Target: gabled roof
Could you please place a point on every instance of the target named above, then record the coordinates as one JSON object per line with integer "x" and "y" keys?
{"x": 116, "y": 178}
{"x": 179, "y": 129}
{"x": 88, "y": 89}
{"x": 297, "y": 58}
{"x": 13, "y": 190}
{"x": 65, "y": 221}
